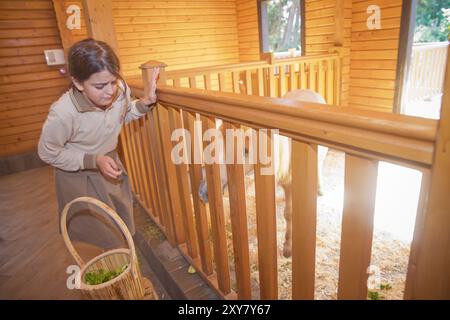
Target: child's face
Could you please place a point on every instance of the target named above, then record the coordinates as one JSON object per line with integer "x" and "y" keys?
{"x": 100, "y": 88}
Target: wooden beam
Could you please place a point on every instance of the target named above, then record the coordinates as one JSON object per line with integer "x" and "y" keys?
{"x": 100, "y": 22}
{"x": 66, "y": 34}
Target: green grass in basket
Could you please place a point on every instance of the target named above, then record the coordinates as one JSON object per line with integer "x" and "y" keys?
{"x": 101, "y": 276}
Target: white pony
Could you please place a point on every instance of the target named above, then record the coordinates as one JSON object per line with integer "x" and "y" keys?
{"x": 282, "y": 167}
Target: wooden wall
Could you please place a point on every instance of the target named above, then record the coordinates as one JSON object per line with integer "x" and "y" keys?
{"x": 248, "y": 30}
{"x": 320, "y": 30}
{"x": 374, "y": 56}
{"x": 27, "y": 85}
{"x": 183, "y": 34}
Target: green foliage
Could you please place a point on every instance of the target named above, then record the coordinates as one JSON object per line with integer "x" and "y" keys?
{"x": 102, "y": 276}
{"x": 432, "y": 21}
{"x": 284, "y": 24}
{"x": 385, "y": 286}
{"x": 373, "y": 295}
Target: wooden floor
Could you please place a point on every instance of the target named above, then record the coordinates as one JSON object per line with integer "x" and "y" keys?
{"x": 34, "y": 259}
{"x": 33, "y": 256}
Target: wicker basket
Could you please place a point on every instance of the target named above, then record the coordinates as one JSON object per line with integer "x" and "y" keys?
{"x": 128, "y": 285}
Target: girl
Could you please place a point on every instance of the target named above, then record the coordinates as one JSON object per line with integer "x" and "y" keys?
{"x": 79, "y": 138}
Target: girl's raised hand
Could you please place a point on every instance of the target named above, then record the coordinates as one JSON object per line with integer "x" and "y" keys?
{"x": 152, "y": 90}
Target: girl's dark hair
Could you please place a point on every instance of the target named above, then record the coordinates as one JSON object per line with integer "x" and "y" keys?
{"x": 90, "y": 56}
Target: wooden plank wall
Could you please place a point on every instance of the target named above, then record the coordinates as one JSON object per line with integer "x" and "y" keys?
{"x": 27, "y": 85}
{"x": 248, "y": 30}
{"x": 183, "y": 34}
{"x": 320, "y": 26}
{"x": 374, "y": 56}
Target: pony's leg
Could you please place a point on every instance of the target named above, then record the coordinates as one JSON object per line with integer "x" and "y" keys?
{"x": 287, "y": 247}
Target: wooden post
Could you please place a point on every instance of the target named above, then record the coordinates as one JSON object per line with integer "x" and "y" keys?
{"x": 100, "y": 22}
{"x": 147, "y": 71}
{"x": 431, "y": 276}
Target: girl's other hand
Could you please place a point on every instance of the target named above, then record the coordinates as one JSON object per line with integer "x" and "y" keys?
{"x": 108, "y": 167}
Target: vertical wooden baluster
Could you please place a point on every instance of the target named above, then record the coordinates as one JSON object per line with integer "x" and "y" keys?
{"x": 338, "y": 85}
{"x": 260, "y": 75}
{"x": 272, "y": 89}
{"x": 292, "y": 77}
{"x": 330, "y": 85}
{"x": 195, "y": 171}
{"x": 141, "y": 164}
{"x": 282, "y": 81}
{"x": 313, "y": 76}
{"x": 266, "y": 226}
{"x": 183, "y": 188}
{"x": 248, "y": 82}
{"x": 222, "y": 83}
{"x": 165, "y": 134}
{"x": 304, "y": 216}
{"x": 217, "y": 216}
{"x": 302, "y": 76}
{"x": 150, "y": 161}
{"x": 144, "y": 164}
{"x": 125, "y": 143}
{"x": 164, "y": 199}
{"x": 235, "y": 79}
{"x": 137, "y": 173}
{"x": 418, "y": 233}
{"x": 207, "y": 81}
{"x": 357, "y": 226}
{"x": 238, "y": 215}
{"x": 321, "y": 79}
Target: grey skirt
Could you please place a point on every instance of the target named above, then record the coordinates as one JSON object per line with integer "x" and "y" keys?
{"x": 87, "y": 223}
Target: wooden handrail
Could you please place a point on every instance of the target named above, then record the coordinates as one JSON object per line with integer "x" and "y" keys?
{"x": 398, "y": 138}
{"x": 281, "y": 61}
{"x": 224, "y": 67}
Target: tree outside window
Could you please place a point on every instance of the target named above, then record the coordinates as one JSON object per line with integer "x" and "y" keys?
{"x": 281, "y": 25}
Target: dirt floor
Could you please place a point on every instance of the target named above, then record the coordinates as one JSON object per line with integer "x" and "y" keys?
{"x": 389, "y": 255}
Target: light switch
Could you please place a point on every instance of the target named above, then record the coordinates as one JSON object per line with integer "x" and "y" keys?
{"x": 54, "y": 57}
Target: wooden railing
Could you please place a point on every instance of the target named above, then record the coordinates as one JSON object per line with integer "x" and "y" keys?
{"x": 169, "y": 192}
{"x": 318, "y": 73}
{"x": 426, "y": 76}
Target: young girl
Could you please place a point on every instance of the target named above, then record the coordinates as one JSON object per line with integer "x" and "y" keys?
{"x": 79, "y": 138}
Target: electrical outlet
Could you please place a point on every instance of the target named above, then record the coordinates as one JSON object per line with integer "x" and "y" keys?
{"x": 54, "y": 57}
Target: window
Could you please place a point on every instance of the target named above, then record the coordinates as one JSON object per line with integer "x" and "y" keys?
{"x": 281, "y": 27}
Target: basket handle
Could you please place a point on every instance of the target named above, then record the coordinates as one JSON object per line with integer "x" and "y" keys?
{"x": 111, "y": 213}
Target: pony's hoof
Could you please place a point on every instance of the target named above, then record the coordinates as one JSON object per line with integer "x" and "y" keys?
{"x": 287, "y": 251}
